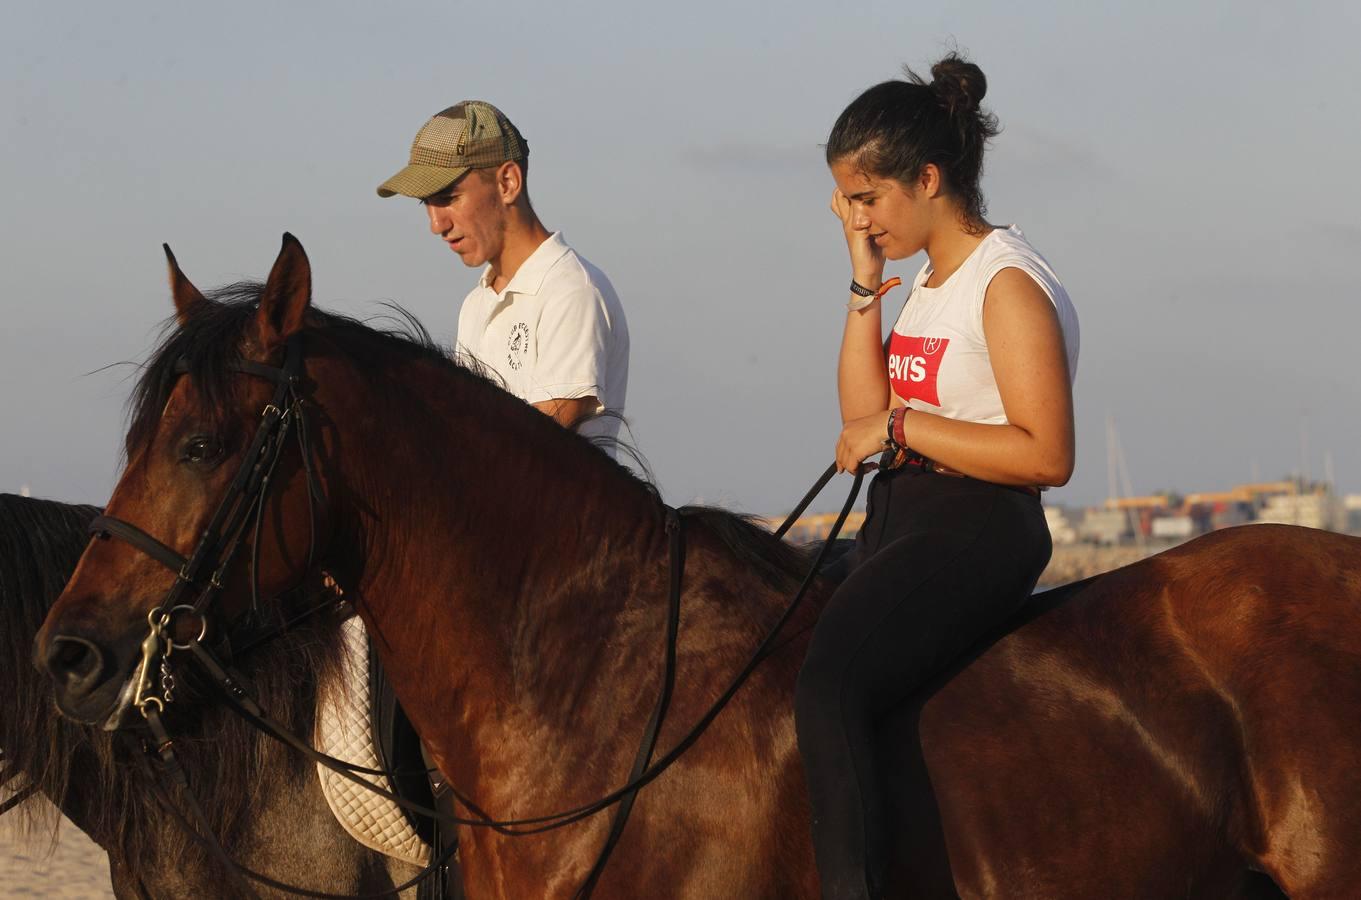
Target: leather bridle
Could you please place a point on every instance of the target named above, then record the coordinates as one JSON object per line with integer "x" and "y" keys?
{"x": 199, "y": 577}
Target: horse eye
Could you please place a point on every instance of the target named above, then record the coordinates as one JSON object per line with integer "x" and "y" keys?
{"x": 201, "y": 448}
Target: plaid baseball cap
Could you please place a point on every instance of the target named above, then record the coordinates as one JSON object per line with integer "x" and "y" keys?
{"x": 467, "y": 135}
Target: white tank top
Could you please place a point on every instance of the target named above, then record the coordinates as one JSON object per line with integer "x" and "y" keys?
{"x": 937, "y": 355}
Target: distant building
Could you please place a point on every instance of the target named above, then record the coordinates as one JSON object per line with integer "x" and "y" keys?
{"x": 1321, "y": 509}
{"x": 1351, "y": 505}
{"x": 1061, "y": 530}
{"x": 1105, "y": 526}
{"x": 1173, "y": 528}
{"x": 1226, "y": 515}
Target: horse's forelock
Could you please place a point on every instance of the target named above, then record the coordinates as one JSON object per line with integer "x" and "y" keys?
{"x": 207, "y": 344}
{"x": 204, "y": 347}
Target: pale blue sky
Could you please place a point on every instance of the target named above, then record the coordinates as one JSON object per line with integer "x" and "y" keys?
{"x": 1189, "y": 170}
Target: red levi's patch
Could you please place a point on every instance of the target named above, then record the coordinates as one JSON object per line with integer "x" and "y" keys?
{"x": 914, "y": 366}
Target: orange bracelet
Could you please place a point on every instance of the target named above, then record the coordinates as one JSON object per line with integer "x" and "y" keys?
{"x": 864, "y": 296}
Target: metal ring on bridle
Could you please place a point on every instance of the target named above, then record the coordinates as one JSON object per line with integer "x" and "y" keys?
{"x": 202, "y": 631}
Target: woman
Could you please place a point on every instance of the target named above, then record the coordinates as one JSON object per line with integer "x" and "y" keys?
{"x": 974, "y": 403}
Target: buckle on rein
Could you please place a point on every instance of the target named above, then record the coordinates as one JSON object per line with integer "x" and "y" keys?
{"x": 157, "y": 647}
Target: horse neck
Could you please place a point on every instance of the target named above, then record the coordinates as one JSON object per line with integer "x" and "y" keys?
{"x": 491, "y": 537}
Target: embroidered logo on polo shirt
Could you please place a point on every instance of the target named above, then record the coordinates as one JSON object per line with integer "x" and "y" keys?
{"x": 518, "y": 346}
{"x": 914, "y": 366}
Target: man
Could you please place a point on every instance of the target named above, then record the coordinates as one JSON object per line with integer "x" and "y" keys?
{"x": 541, "y": 317}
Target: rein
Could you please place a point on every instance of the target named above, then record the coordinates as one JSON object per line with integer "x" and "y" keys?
{"x": 8, "y": 774}
{"x": 216, "y": 549}
{"x": 19, "y": 797}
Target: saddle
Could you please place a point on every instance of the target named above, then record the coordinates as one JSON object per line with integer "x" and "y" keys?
{"x": 359, "y": 720}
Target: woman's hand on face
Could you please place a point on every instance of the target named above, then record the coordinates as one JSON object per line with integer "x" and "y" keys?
{"x": 860, "y": 439}
{"x": 867, "y": 260}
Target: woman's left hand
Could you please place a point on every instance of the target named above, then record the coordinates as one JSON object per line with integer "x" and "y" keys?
{"x": 861, "y": 438}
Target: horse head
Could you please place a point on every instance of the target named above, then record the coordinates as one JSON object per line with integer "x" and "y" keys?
{"x": 209, "y": 505}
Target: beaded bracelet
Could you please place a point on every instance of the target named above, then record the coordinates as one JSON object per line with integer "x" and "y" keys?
{"x": 897, "y": 437}
{"x": 895, "y": 447}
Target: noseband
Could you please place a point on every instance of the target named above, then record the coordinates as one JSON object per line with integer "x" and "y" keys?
{"x": 199, "y": 577}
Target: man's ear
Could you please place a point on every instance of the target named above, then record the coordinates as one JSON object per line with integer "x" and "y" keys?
{"x": 286, "y": 297}
{"x": 187, "y": 298}
{"x": 510, "y": 182}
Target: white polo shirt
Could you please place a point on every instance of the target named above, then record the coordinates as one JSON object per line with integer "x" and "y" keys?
{"x": 557, "y": 331}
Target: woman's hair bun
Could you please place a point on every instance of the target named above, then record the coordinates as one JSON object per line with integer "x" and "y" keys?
{"x": 896, "y": 128}
{"x": 959, "y": 83}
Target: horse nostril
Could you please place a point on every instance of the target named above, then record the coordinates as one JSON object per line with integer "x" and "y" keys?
{"x": 74, "y": 660}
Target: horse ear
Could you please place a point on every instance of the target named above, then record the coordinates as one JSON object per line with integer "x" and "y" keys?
{"x": 187, "y": 297}
{"x": 287, "y": 294}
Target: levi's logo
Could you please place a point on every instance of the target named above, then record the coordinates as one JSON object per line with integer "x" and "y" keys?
{"x": 914, "y": 366}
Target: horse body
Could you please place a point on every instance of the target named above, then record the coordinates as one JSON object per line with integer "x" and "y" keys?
{"x": 1156, "y": 732}
{"x": 282, "y": 827}
{"x": 1168, "y": 729}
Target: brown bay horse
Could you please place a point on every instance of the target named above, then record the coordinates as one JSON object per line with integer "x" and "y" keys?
{"x": 1172, "y": 729}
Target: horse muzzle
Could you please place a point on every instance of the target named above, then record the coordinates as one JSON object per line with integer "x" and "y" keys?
{"x": 89, "y": 677}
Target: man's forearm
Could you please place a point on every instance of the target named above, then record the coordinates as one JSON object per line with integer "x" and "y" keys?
{"x": 568, "y": 412}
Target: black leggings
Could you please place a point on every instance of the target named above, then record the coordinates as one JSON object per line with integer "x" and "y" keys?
{"x": 939, "y": 562}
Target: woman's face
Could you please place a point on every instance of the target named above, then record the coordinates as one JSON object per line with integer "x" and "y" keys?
{"x": 895, "y": 216}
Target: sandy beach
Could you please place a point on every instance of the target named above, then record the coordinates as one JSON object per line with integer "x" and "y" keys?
{"x": 75, "y": 869}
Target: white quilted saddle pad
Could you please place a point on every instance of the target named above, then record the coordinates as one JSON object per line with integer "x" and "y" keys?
{"x": 344, "y": 731}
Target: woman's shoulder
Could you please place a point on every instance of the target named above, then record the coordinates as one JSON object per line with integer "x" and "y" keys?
{"x": 1008, "y": 248}
{"x": 1007, "y": 242}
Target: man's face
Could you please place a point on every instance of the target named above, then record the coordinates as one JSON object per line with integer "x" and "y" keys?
{"x": 470, "y": 216}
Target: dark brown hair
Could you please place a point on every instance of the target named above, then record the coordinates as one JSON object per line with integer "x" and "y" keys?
{"x": 894, "y": 129}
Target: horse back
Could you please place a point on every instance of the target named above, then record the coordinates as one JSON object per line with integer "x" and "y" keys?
{"x": 1155, "y": 731}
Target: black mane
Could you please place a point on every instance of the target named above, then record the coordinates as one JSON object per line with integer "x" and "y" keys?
{"x": 96, "y": 773}
{"x": 40, "y": 543}
{"x": 210, "y": 342}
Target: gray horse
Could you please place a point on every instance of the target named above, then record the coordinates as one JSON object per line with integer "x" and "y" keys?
{"x": 265, "y": 804}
